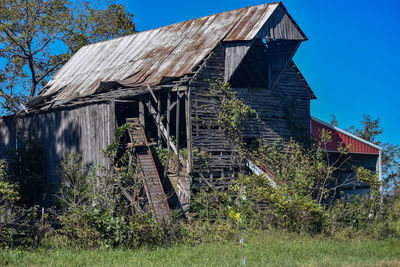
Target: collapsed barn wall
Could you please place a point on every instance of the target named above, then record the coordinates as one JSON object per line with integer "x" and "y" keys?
{"x": 85, "y": 129}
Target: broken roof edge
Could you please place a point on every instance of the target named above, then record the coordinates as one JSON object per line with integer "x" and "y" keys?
{"x": 346, "y": 133}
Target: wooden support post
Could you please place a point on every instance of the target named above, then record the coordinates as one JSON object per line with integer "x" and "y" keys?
{"x": 178, "y": 109}
{"x": 153, "y": 114}
{"x": 159, "y": 120}
{"x": 188, "y": 129}
{"x": 168, "y": 132}
{"x": 141, "y": 112}
{"x": 152, "y": 93}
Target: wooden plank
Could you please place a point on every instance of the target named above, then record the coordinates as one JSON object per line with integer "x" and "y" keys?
{"x": 141, "y": 112}
{"x": 152, "y": 93}
{"x": 153, "y": 113}
{"x": 159, "y": 120}
{"x": 234, "y": 54}
{"x": 178, "y": 111}
{"x": 188, "y": 129}
{"x": 168, "y": 132}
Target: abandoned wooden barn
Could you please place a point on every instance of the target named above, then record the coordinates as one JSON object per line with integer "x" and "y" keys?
{"x": 159, "y": 80}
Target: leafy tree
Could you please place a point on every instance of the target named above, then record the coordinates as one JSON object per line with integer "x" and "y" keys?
{"x": 391, "y": 167}
{"x": 74, "y": 184}
{"x": 333, "y": 121}
{"x": 370, "y": 131}
{"x": 38, "y": 36}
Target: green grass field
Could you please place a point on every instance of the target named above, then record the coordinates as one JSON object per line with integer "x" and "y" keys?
{"x": 277, "y": 249}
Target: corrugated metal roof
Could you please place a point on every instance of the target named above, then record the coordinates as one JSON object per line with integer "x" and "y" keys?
{"x": 145, "y": 58}
{"x": 342, "y": 138}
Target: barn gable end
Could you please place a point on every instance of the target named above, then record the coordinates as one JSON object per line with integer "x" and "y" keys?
{"x": 160, "y": 80}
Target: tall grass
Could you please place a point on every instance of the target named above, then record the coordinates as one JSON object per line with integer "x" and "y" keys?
{"x": 263, "y": 249}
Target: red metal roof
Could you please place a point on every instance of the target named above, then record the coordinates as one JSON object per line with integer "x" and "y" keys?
{"x": 342, "y": 138}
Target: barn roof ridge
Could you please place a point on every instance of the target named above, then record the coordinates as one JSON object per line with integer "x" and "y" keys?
{"x": 168, "y": 25}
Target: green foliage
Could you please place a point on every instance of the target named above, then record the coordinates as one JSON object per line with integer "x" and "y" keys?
{"x": 93, "y": 24}
{"x": 302, "y": 184}
{"x": 112, "y": 149}
{"x": 98, "y": 205}
{"x": 8, "y": 192}
{"x": 74, "y": 185}
{"x": 334, "y": 120}
{"x": 96, "y": 227}
{"x": 8, "y": 213}
{"x": 391, "y": 168}
{"x": 200, "y": 232}
{"x": 39, "y": 36}
{"x": 211, "y": 205}
{"x": 18, "y": 226}
{"x": 232, "y": 111}
{"x": 301, "y": 194}
{"x": 275, "y": 248}
{"x": 370, "y": 131}
{"x": 95, "y": 210}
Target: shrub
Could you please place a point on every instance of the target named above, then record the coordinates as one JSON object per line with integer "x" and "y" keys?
{"x": 299, "y": 195}
{"x": 9, "y": 213}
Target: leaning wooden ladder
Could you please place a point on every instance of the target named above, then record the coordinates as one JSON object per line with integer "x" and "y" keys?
{"x": 152, "y": 184}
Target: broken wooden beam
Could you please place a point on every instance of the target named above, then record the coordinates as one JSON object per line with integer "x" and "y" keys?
{"x": 152, "y": 93}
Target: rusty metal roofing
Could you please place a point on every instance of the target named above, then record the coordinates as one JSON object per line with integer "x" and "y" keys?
{"x": 145, "y": 58}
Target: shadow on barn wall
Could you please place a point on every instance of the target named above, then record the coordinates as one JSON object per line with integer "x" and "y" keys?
{"x": 84, "y": 129}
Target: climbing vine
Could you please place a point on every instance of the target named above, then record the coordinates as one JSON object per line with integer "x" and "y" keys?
{"x": 232, "y": 113}
{"x": 302, "y": 183}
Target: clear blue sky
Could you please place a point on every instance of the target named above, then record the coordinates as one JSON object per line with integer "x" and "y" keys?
{"x": 351, "y": 59}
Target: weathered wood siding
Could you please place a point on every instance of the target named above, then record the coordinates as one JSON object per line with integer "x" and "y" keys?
{"x": 86, "y": 129}
{"x": 7, "y": 135}
{"x": 234, "y": 53}
{"x": 281, "y": 26}
{"x": 284, "y": 112}
{"x": 295, "y": 97}
{"x": 207, "y": 137}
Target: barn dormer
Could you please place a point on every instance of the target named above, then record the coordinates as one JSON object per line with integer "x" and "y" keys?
{"x": 259, "y": 63}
